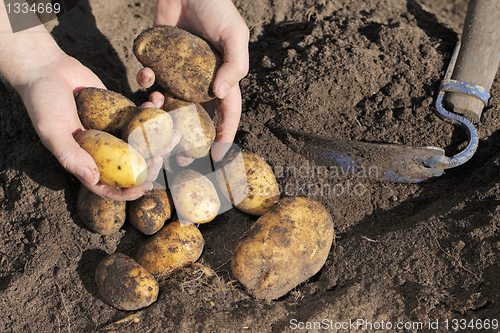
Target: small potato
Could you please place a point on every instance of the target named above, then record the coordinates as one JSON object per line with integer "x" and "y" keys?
{"x": 119, "y": 163}
{"x": 149, "y": 213}
{"x": 184, "y": 64}
{"x": 195, "y": 197}
{"x": 104, "y": 110}
{"x": 285, "y": 246}
{"x": 196, "y": 127}
{"x": 150, "y": 131}
{"x": 124, "y": 284}
{"x": 102, "y": 216}
{"x": 248, "y": 182}
{"x": 173, "y": 247}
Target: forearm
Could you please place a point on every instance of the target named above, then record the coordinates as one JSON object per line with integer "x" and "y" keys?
{"x": 23, "y": 52}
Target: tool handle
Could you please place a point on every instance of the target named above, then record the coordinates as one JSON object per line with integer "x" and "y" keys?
{"x": 479, "y": 55}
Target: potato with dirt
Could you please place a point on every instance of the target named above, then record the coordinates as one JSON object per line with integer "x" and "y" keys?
{"x": 124, "y": 284}
{"x": 248, "y": 182}
{"x": 184, "y": 64}
{"x": 103, "y": 216}
{"x": 104, "y": 110}
{"x": 150, "y": 132}
{"x": 283, "y": 248}
{"x": 119, "y": 164}
{"x": 175, "y": 246}
{"x": 149, "y": 212}
{"x": 195, "y": 197}
{"x": 195, "y": 125}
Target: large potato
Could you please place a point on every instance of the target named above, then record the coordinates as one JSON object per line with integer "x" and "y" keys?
{"x": 248, "y": 182}
{"x": 195, "y": 197}
{"x": 101, "y": 215}
{"x": 104, "y": 110}
{"x": 150, "y": 131}
{"x": 184, "y": 64}
{"x": 119, "y": 164}
{"x": 124, "y": 284}
{"x": 285, "y": 246}
{"x": 149, "y": 212}
{"x": 173, "y": 247}
{"x": 196, "y": 127}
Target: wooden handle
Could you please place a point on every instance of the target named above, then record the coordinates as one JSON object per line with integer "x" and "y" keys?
{"x": 479, "y": 55}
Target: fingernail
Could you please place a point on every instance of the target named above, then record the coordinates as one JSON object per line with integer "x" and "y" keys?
{"x": 221, "y": 90}
{"x": 146, "y": 77}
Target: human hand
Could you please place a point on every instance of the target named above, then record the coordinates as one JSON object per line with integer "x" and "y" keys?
{"x": 49, "y": 99}
{"x": 220, "y": 23}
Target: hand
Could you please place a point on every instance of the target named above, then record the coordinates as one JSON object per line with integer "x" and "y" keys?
{"x": 49, "y": 99}
{"x": 220, "y": 23}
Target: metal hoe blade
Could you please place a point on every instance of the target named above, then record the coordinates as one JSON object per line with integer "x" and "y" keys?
{"x": 390, "y": 162}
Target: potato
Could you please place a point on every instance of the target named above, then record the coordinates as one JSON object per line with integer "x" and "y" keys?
{"x": 101, "y": 215}
{"x": 104, "y": 110}
{"x": 184, "y": 64}
{"x": 195, "y": 197}
{"x": 284, "y": 247}
{"x": 124, "y": 284}
{"x": 150, "y": 131}
{"x": 248, "y": 182}
{"x": 173, "y": 247}
{"x": 196, "y": 127}
{"x": 119, "y": 164}
{"x": 149, "y": 213}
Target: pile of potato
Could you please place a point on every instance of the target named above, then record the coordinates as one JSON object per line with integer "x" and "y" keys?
{"x": 288, "y": 243}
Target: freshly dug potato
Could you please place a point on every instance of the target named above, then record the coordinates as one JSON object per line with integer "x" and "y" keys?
{"x": 285, "y": 246}
{"x": 195, "y": 197}
{"x": 184, "y": 64}
{"x": 104, "y": 110}
{"x": 248, "y": 182}
{"x": 149, "y": 213}
{"x": 124, "y": 284}
{"x": 119, "y": 163}
{"x": 173, "y": 247}
{"x": 150, "y": 131}
{"x": 101, "y": 215}
{"x": 196, "y": 127}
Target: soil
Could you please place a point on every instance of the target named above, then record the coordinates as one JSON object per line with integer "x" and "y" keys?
{"x": 366, "y": 70}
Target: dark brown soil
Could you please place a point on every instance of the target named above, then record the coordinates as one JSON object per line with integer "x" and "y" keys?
{"x": 366, "y": 70}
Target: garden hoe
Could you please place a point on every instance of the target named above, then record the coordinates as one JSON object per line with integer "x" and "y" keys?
{"x": 466, "y": 84}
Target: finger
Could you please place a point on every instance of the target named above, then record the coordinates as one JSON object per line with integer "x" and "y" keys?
{"x": 229, "y": 113}
{"x": 116, "y": 193}
{"x": 145, "y": 77}
{"x": 176, "y": 137}
{"x": 234, "y": 44}
{"x": 157, "y": 99}
{"x": 147, "y": 105}
{"x": 183, "y": 160}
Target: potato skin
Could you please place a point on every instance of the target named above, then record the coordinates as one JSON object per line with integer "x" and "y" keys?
{"x": 286, "y": 246}
{"x": 104, "y": 110}
{"x": 173, "y": 247}
{"x": 149, "y": 212}
{"x": 195, "y": 197}
{"x": 101, "y": 215}
{"x": 184, "y": 64}
{"x": 250, "y": 181}
{"x": 196, "y": 127}
{"x": 124, "y": 284}
{"x": 119, "y": 164}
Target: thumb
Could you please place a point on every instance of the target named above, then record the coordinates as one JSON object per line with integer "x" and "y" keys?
{"x": 235, "y": 66}
{"x": 73, "y": 158}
